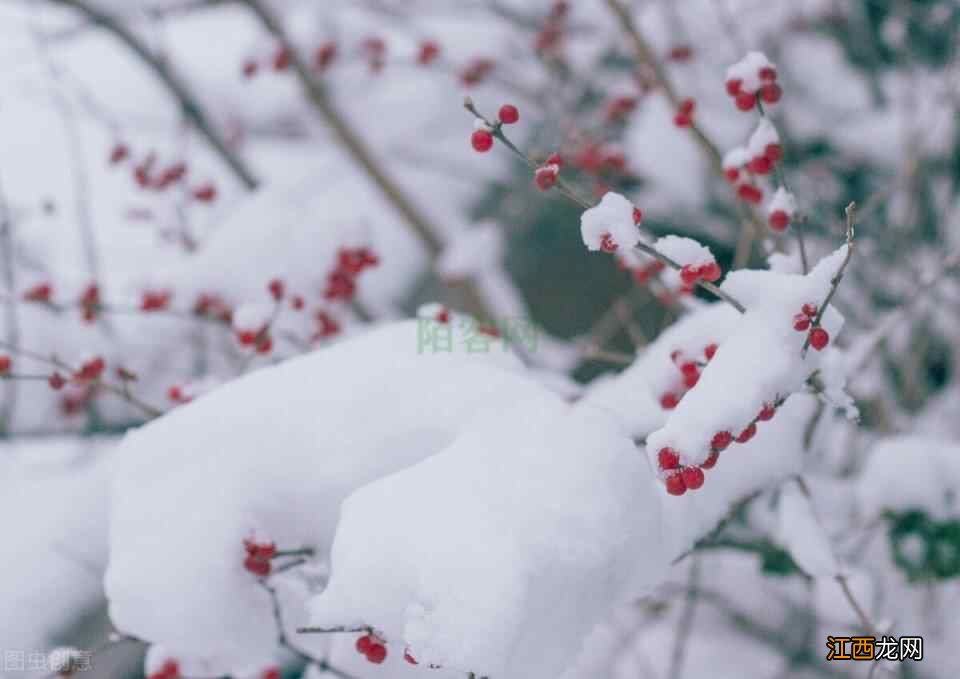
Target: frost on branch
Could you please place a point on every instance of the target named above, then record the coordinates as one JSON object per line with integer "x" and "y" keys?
{"x": 763, "y": 357}
{"x": 610, "y": 225}
{"x": 274, "y": 452}
{"x": 498, "y": 555}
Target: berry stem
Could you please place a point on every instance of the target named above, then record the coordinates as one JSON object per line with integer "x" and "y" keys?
{"x": 565, "y": 190}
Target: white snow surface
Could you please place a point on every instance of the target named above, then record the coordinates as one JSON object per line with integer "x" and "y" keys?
{"x": 613, "y": 216}
{"x": 684, "y": 251}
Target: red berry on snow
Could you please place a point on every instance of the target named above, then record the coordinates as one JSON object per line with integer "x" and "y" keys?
{"x": 760, "y": 165}
{"x": 271, "y": 673}
{"x": 607, "y": 244}
{"x": 205, "y": 193}
{"x": 409, "y": 658}
{"x": 247, "y": 337}
{"x": 250, "y": 68}
{"x": 733, "y": 86}
{"x": 680, "y": 53}
{"x": 771, "y": 93}
{"x": 281, "y": 59}
{"x": 297, "y": 302}
{"x": 669, "y": 401}
{"x": 276, "y": 289}
{"x": 508, "y": 114}
{"x": 668, "y": 458}
{"x": 324, "y": 55}
{"x": 711, "y": 460}
{"x": 690, "y": 381}
{"x": 773, "y": 152}
{"x": 767, "y": 412}
{"x": 90, "y": 370}
{"x": 747, "y": 433}
{"x": 363, "y": 644}
{"x": 637, "y": 215}
{"x": 56, "y": 381}
{"x": 746, "y": 101}
{"x": 819, "y": 338}
{"x": 481, "y": 140}
{"x": 692, "y": 477}
{"x": 767, "y": 73}
{"x": 5, "y": 364}
{"x": 710, "y": 272}
{"x": 675, "y": 484}
{"x": 265, "y": 346}
{"x": 689, "y": 368}
{"x": 682, "y": 120}
{"x": 377, "y": 653}
{"x": 778, "y": 220}
{"x": 429, "y": 50}
{"x": 42, "y": 292}
{"x": 257, "y": 566}
{"x": 687, "y": 106}
{"x": 119, "y": 153}
{"x": 709, "y": 351}
{"x": 545, "y": 177}
{"x": 689, "y": 274}
{"x": 554, "y": 159}
{"x": 809, "y": 310}
{"x": 750, "y": 193}
{"x": 721, "y": 440}
{"x": 801, "y": 322}
{"x": 731, "y": 174}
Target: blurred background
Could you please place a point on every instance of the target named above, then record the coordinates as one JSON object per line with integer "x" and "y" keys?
{"x": 162, "y": 162}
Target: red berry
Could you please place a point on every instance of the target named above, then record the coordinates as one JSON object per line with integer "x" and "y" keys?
{"x": 545, "y": 177}
{"x": 689, "y": 368}
{"x": 554, "y": 159}
{"x": 364, "y": 643}
{"x": 206, "y": 193}
{"x": 711, "y": 460}
{"x": 767, "y": 413}
{"x": 768, "y": 73}
{"x": 773, "y": 152}
{"x": 675, "y": 484}
{"x": 281, "y": 59}
{"x": 669, "y": 401}
{"x": 819, "y": 338}
{"x": 733, "y": 86}
{"x": 692, "y": 477}
{"x": 637, "y": 215}
{"x": 750, "y": 193}
{"x": 276, "y": 289}
{"x": 771, "y": 93}
{"x": 675, "y": 354}
{"x": 482, "y": 141}
{"x": 746, "y": 101}
{"x": 778, "y": 220}
{"x": 710, "y": 272}
{"x": 42, "y": 292}
{"x": 731, "y": 174}
{"x": 409, "y": 658}
{"x": 90, "y": 370}
{"x": 259, "y": 567}
{"x": 809, "y": 310}
{"x": 721, "y": 440}
{"x": 689, "y": 274}
{"x": 56, "y": 381}
{"x": 607, "y": 244}
{"x": 297, "y": 302}
{"x": 119, "y": 153}
{"x": 265, "y": 346}
{"x": 247, "y": 337}
{"x": 5, "y": 364}
{"x": 709, "y": 351}
{"x": 509, "y": 114}
{"x": 801, "y": 323}
{"x": 760, "y": 165}
{"x": 324, "y": 55}
{"x": 668, "y": 458}
{"x": 687, "y": 106}
{"x": 747, "y": 433}
{"x": 429, "y": 50}
{"x": 690, "y": 381}
{"x": 377, "y": 653}
{"x": 250, "y": 68}
{"x": 271, "y": 673}
{"x": 682, "y": 120}
{"x": 680, "y": 53}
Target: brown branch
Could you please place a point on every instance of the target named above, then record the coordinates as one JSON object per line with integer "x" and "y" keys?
{"x": 355, "y": 146}
{"x": 177, "y": 87}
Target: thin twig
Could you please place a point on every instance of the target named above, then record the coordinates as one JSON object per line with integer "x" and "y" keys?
{"x": 850, "y": 212}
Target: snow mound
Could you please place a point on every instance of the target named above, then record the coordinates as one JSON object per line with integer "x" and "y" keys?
{"x": 612, "y": 219}
{"x": 498, "y": 555}
{"x": 275, "y": 453}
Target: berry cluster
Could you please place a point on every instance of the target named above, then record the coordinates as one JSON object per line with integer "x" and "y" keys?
{"x": 802, "y": 322}
{"x": 258, "y": 556}
{"x": 155, "y": 300}
{"x": 213, "y": 306}
{"x": 41, "y": 293}
{"x": 149, "y": 175}
{"x": 351, "y": 262}
{"x": 684, "y": 115}
{"x": 169, "y": 669}
{"x": 90, "y": 302}
{"x": 751, "y": 78}
{"x": 545, "y": 176}
{"x": 373, "y": 647}
{"x": 680, "y": 478}
{"x": 689, "y": 375}
{"x": 708, "y": 271}
{"x": 90, "y": 370}
{"x": 482, "y": 137}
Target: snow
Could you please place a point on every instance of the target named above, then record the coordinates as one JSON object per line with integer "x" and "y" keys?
{"x": 472, "y": 252}
{"x": 251, "y": 317}
{"x": 930, "y": 485}
{"x": 501, "y": 552}
{"x": 763, "y": 355}
{"x": 747, "y": 70}
{"x": 320, "y": 445}
{"x": 802, "y": 534}
{"x": 613, "y": 216}
{"x": 763, "y": 136}
{"x": 782, "y": 200}
{"x": 684, "y": 251}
